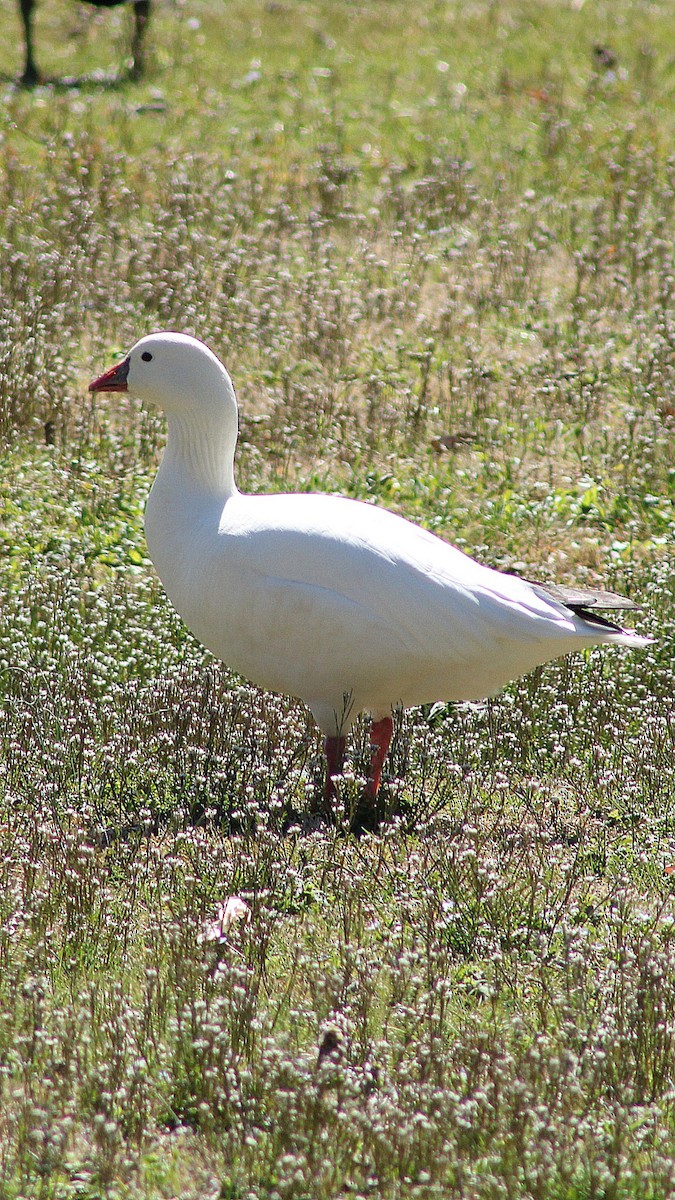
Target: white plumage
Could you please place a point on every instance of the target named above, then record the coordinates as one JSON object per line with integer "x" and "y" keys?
{"x": 342, "y": 604}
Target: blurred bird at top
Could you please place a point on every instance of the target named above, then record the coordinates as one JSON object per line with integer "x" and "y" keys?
{"x": 31, "y": 75}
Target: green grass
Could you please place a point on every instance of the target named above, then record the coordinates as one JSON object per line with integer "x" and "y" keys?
{"x": 435, "y": 248}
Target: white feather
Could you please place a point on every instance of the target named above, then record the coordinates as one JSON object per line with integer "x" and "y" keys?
{"x": 345, "y": 605}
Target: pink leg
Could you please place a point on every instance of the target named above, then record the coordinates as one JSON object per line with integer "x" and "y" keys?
{"x": 380, "y": 737}
{"x": 367, "y": 815}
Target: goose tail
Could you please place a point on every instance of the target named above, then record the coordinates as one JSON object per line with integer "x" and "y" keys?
{"x": 589, "y": 604}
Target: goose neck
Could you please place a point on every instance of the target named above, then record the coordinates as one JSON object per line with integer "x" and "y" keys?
{"x": 202, "y": 450}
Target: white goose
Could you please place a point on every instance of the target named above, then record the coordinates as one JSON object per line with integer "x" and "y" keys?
{"x": 344, "y": 605}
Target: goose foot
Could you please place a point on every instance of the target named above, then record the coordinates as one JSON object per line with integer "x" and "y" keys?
{"x": 367, "y": 815}
{"x": 380, "y": 737}
{"x": 334, "y": 749}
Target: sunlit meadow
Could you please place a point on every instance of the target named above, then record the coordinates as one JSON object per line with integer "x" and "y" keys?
{"x": 434, "y": 245}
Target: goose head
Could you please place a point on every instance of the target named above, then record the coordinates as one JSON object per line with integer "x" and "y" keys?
{"x": 174, "y": 372}
{"x": 180, "y": 375}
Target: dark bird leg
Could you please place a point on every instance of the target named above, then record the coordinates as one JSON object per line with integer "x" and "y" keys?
{"x": 30, "y": 75}
{"x": 141, "y": 18}
{"x": 334, "y": 748}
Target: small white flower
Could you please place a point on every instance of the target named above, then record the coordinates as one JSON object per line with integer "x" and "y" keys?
{"x": 233, "y": 910}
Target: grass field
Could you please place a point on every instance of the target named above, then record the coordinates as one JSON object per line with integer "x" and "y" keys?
{"x": 435, "y": 246}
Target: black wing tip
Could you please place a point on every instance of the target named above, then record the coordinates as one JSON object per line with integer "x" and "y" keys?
{"x": 579, "y": 599}
{"x": 586, "y": 603}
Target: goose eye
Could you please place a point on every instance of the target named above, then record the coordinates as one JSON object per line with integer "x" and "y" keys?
{"x": 146, "y": 356}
